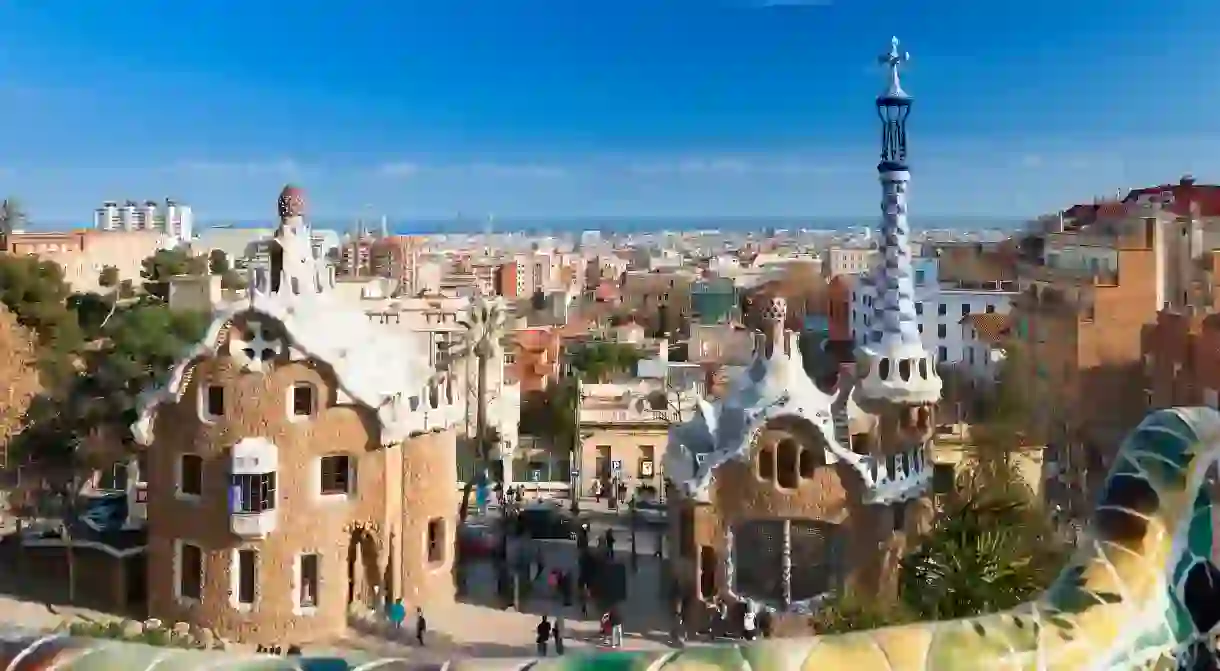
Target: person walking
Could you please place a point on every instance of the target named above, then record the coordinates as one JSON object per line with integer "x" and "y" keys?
{"x": 557, "y": 632}
{"x": 765, "y": 623}
{"x": 749, "y": 625}
{"x": 608, "y": 540}
{"x": 421, "y": 626}
{"x": 544, "y": 636}
{"x": 397, "y": 613}
{"x": 616, "y": 628}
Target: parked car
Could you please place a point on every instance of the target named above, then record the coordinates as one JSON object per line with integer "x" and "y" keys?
{"x": 651, "y": 512}
{"x": 547, "y": 520}
{"x": 477, "y": 540}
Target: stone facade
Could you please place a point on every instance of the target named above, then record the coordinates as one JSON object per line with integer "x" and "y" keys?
{"x": 787, "y": 477}
{"x": 381, "y": 527}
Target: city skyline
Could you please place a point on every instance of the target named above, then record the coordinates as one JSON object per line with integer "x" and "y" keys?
{"x": 676, "y": 109}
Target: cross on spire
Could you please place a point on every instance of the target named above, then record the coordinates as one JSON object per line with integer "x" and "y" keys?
{"x": 892, "y": 62}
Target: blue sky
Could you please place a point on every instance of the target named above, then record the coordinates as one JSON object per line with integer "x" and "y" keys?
{"x": 587, "y": 107}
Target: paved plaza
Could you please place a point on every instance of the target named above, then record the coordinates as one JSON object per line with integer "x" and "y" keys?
{"x": 476, "y": 626}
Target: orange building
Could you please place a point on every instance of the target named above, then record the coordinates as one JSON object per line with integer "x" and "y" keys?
{"x": 1092, "y": 286}
{"x": 838, "y": 307}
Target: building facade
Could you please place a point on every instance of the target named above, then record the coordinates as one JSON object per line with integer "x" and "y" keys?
{"x": 939, "y": 308}
{"x": 172, "y": 218}
{"x": 789, "y": 491}
{"x": 300, "y": 462}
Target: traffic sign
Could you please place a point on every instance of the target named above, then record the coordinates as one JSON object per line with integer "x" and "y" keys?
{"x": 616, "y": 465}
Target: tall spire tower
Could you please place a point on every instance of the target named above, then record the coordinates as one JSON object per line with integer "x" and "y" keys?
{"x": 897, "y": 367}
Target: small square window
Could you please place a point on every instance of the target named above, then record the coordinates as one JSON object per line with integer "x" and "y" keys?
{"x": 214, "y": 401}
{"x": 436, "y": 540}
{"x": 919, "y": 308}
{"x": 942, "y": 331}
{"x": 965, "y": 309}
{"x": 942, "y": 309}
{"x": 990, "y": 308}
{"x": 190, "y": 571}
{"x": 942, "y": 354}
{"x": 247, "y": 577}
{"x": 190, "y": 475}
{"x": 307, "y": 594}
{"x": 337, "y": 475}
{"x": 302, "y": 400}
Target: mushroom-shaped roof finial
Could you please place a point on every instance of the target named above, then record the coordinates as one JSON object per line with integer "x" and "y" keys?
{"x": 292, "y": 202}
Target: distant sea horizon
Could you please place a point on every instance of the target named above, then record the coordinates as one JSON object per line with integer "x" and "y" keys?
{"x": 612, "y": 225}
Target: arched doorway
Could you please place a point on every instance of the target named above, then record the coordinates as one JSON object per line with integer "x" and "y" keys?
{"x": 364, "y": 579}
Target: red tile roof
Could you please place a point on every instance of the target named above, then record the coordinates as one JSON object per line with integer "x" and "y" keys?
{"x": 992, "y": 327}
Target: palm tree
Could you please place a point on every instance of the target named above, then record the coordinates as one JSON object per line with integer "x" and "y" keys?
{"x": 984, "y": 554}
{"x": 484, "y": 327}
{"x": 12, "y": 216}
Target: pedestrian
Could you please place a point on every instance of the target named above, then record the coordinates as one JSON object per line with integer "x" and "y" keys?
{"x": 539, "y": 563}
{"x": 765, "y": 623}
{"x": 720, "y": 626}
{"x": 616, "y": 628}
{"x": 397, "y": 613}
{"x": 597, "y": 490}
{"x": 749, "y": 629}
{"x": 565, "y": 587}
{"x": 421, "y": 626}
{"x": 544, "y": 636}
{"x": 608, "y": 540}
{"x": 557, "y": 632}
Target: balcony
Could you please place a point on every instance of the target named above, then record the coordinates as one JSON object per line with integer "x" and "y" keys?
{"x": 627, "y": 416}
{"x": 252, "y": 491}
{"x": 253, "y": 525}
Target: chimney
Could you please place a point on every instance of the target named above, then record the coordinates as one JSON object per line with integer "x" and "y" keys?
{"x": 774, "y": 316}
{"x": 1187, "y": 180}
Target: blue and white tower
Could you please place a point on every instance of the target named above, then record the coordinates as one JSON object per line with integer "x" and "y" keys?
{"x": 896, "y": 366}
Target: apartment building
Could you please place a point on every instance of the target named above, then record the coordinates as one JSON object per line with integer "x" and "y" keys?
{"x": 1092, "y": 279}
{"x": 939, "y": 306}
{"x": 842, "y": 260}
{"x": 84, "y": 253}
{"x": 170, "y": 217}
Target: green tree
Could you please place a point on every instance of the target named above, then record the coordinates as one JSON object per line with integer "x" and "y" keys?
{"x": 985, "y": 552}
{"x": 599, "y": 361}
{"x": 91, "y": 310}
{"x": 552, "y": 413}
{"x": 12, "y": 216}
{"x": 232, "y": 280}
{"x": 108, "y": 278}
{"x": 484, "y": 329}
{"x": 218, "y": 262}
{"x": 36, "y": 293}
{"x": 158, "y": 269}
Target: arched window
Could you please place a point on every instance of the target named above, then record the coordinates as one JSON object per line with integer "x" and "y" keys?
{"x": 766, "y": 464}
{"x": 808, "y": 463}
{"x": 787, "y": 464}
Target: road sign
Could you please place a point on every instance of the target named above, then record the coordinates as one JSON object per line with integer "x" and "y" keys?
{"x": 616, "y": 465}
{"x": 576, "y": 472}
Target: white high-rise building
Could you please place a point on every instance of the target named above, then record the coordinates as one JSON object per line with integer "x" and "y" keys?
{"x": 170, "y": 217}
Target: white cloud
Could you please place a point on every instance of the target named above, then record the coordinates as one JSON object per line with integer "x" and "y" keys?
{"x": 280, "y": 167}
{"x": 483, "y": 169}
{"x": 516, "y": 170}
{"x": 401, "y": 169}
{"x": 730, "y": 166}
